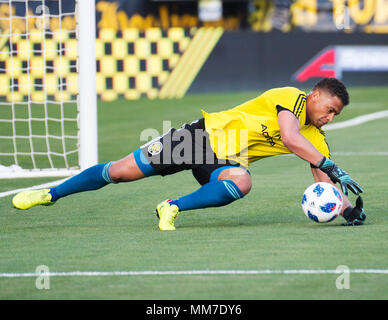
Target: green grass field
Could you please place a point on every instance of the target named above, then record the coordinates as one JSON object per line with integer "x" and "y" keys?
{"x": 115, "y": 228}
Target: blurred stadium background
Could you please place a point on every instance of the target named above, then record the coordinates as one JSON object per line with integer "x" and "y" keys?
{"x": 159, "y": 60}
{"x": 142, "y": 46}
{"x": 168, "y": 49}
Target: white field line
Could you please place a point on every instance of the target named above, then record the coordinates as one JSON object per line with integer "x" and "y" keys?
{"x": 344, "y": 124}
{"x": 344, "y": 153}
{"x": 362, "y": 153}
{"x": 356, "y": 121}
{"x": 188, "y": 273}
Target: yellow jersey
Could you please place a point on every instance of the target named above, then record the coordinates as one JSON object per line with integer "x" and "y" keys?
{"x": 250, "y": 131}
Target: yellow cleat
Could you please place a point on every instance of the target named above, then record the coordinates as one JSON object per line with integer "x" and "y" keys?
{"x": 27, "y": 199}
{"x": 167, "y": 214}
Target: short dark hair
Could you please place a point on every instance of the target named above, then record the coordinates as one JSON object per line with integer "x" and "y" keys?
{"x": 335, "y": 87}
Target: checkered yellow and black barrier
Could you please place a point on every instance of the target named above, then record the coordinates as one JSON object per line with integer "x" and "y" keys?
{"x": 130, "y": 63}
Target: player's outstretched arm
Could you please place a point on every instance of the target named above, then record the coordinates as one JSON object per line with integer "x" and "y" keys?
{"x": 299, "y": 145}
{"x": 294, "y": 140}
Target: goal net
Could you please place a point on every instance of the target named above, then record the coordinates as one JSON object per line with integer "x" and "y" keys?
{"x": 47, "y": 87}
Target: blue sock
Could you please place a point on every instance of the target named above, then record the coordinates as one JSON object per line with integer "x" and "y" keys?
{"x": 92, "y": 178}
{"x": 212, "y": 194}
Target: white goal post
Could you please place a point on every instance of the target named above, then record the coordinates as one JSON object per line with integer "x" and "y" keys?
{"x": 48, "y": 101}
{"x": 87, "y": 82}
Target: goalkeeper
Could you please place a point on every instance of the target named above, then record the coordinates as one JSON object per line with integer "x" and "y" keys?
{"x": 219, "y": 148}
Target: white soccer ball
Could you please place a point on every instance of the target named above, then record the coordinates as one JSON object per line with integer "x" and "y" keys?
{"x": 322, "y": 202}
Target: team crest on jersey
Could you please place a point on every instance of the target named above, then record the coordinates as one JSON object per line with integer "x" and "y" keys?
{"x": 155, "y": 148}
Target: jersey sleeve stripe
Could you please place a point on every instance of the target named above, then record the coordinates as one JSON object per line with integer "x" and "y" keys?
{"x": 298, "y": 107}
{"x": 301, "y": 105}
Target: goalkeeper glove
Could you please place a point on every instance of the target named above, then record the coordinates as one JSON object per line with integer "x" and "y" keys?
{"x": 336, "y": 174}
{"x": 355, "y": 216}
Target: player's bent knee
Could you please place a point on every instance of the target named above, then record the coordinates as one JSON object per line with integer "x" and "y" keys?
{"x": 244, "y": 184}
{"x": 115, "y": 173}
{"x": 240, "y": 177}
{"x": 125, "y": 170}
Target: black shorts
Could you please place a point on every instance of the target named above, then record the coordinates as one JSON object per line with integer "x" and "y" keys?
{"x": 187, "y": 148}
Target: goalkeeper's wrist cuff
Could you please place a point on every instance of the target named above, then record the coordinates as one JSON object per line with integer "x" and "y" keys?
{"x": 326, "y": 164}
{"x": 319, "y": 164}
